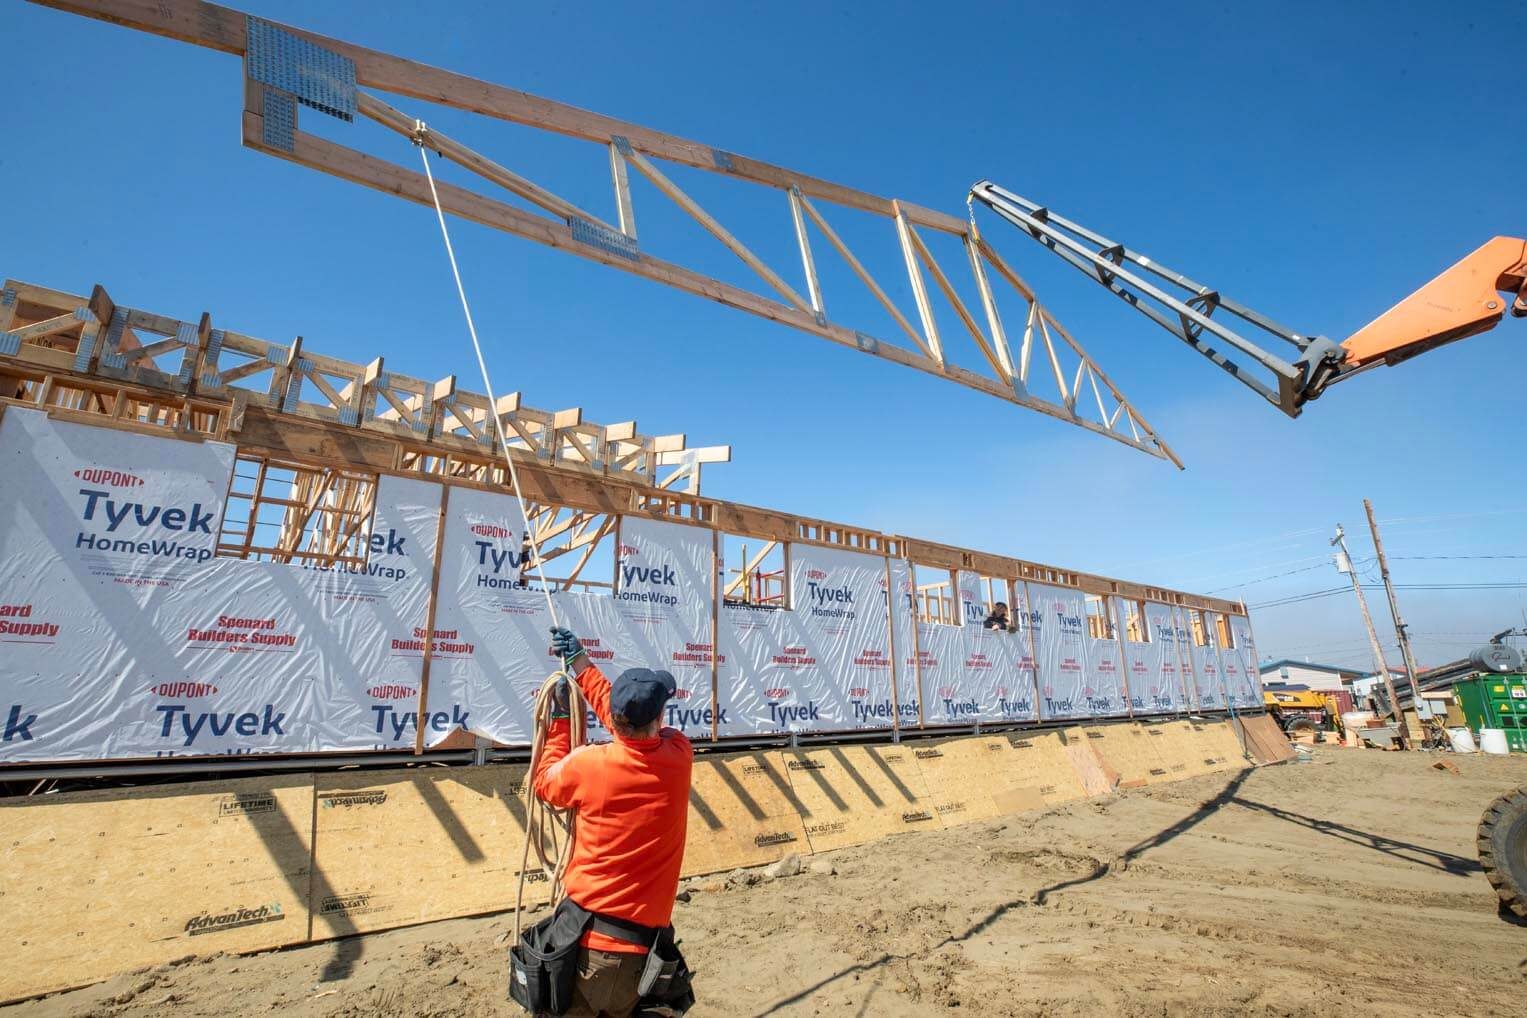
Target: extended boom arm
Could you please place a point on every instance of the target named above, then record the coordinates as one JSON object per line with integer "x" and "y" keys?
{"x": 1461, "y": 302}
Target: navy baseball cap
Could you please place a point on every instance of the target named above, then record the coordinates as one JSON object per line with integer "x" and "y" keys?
{"x": 638, "y": 695}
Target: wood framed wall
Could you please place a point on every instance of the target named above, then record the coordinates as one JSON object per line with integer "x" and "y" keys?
{"x": 65, "y": 362}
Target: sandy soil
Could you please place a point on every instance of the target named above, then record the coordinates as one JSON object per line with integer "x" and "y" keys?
{"x": 1347, "y": 885}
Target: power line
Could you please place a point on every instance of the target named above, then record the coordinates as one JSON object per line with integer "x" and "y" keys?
{"x": 1368, "y": 565}
{"x": 1297, "y": 598}
{"x": 1317, "y": 594}
{"x": 1323, "y": 564}
{"x": 1431, "y": 557}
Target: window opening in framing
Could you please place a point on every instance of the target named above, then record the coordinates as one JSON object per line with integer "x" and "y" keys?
{"x": 1100, "y": 625}
{"x": 1226, "y": 634}
{"x": 936, "y": 601}
{"x": 755, "y": 572}
{"x": 990, "y": 591}
{"x": 1132, "y": 620}
{"x": 1200, "y": 632}
{"x": 281, "y": 511}
{"x": 577, "y": 550}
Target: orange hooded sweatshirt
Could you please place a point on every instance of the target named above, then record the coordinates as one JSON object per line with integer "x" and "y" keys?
{"x": 632, "y": 799}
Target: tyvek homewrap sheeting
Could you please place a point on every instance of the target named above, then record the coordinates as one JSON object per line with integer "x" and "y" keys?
{"x": 993, "y": 684}
{"x": 822, "y": 665}
{"x": 903, "y": 600}
{"x": 1104, "y": 695}
{"x": 947, "y": 699}
{"x": 1060, "y": 632}
{"x": 91, "y": 547}
{"x": 491, "y": 650}
{"x": 1159, "y": 690}
{"x": 1245, "y": 688}
{"x": 1233, "y": 681}
{"x": 347, "y": 676}
{"x": 140, "y": 643}
{"x": 1209, "y": 682}
{"x": 1185, "y": 657}
{"x": 659, "y": 617}
{"x": 124, "y": 636}
{"x": 664, "y": 601}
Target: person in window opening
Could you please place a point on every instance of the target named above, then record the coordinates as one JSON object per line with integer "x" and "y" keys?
{"x": 632, "y": 801}
{"x": 524, "y": 578}
{"x": 998, "y": 619}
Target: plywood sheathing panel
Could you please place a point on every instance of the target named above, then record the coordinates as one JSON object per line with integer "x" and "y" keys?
{"x": 1125, "y": 749}
{"x": 742, "y": 812}
{"x": 1178, "y": 746}
{"x": 849, "y": 795}
{"x": 1219, "y": 745}
{"x": 959, "y": 782}
{"x": 394, "y": 848}
{"x": 1039, "y": 760}
{"x": 1094, "y": 774}
{"x": 1266, "y": 740}
{"x": 94, "y": 884}
{"x": 97, "y": 883}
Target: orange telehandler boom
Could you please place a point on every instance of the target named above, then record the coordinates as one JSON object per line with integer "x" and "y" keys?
{"x": 1463, "y": 301}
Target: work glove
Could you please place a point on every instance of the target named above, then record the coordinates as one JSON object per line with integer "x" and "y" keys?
{"x": 560, "y": 707}
{"x": 565, "y": 645}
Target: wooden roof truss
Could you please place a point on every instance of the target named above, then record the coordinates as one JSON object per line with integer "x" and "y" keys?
{"x": 94, "y": 342}
{"x": 287, "y": 67}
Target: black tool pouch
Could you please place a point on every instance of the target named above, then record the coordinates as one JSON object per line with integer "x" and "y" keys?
{"x": 665, "y": 982}
{"x": 543, "y": 966}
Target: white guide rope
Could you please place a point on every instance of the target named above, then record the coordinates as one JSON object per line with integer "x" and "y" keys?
{"x": 514, "y": 477}
{"x": 549, "y": 831}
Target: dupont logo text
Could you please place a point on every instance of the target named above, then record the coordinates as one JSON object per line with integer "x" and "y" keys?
{"x": 106, "y": 475}
{"x": 181, "y": 690}
{"x": 392, "y": 691}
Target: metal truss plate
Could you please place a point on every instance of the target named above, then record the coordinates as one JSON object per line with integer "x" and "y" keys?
{"x": 616, "y": 243}
{"x": 83, "y": 352}
{"x": 318, "y": 77}
{"x": 110, "y": 355}
{"x": 622, "y": 144}
{"x": 426, "y": 413}
{"x": 723, "y": 160}
{"x": 212, "y": 377}
{"x": 348, "y": 416}
{"x": 7, "y": 297}
{"x": 869, "y": 344}
{"x": 280, "y": 121}
{"x": 10, "y": 344}
{"x": 294, "y": 383}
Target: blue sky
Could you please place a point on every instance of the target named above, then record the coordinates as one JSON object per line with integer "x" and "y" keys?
{"x": 1318, "y": 165}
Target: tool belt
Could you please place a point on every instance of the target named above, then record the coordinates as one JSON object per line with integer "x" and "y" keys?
{"x": 543, "y": 966}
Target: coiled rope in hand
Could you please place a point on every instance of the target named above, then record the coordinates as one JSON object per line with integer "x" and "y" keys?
{"x": 549, "y": 831}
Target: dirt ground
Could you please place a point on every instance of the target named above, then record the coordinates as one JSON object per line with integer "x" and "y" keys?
{"x": 1346, "y": 885}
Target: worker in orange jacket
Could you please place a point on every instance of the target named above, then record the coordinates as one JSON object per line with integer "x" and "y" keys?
{"x": 632, "y": 801}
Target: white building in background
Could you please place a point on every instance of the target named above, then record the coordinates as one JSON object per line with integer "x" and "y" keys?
{"x": 1325, "y": 678}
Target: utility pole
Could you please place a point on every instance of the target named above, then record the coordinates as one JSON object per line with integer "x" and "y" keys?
{"x": 1394, "y": 610}
{"x": 1344, "y": 565}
